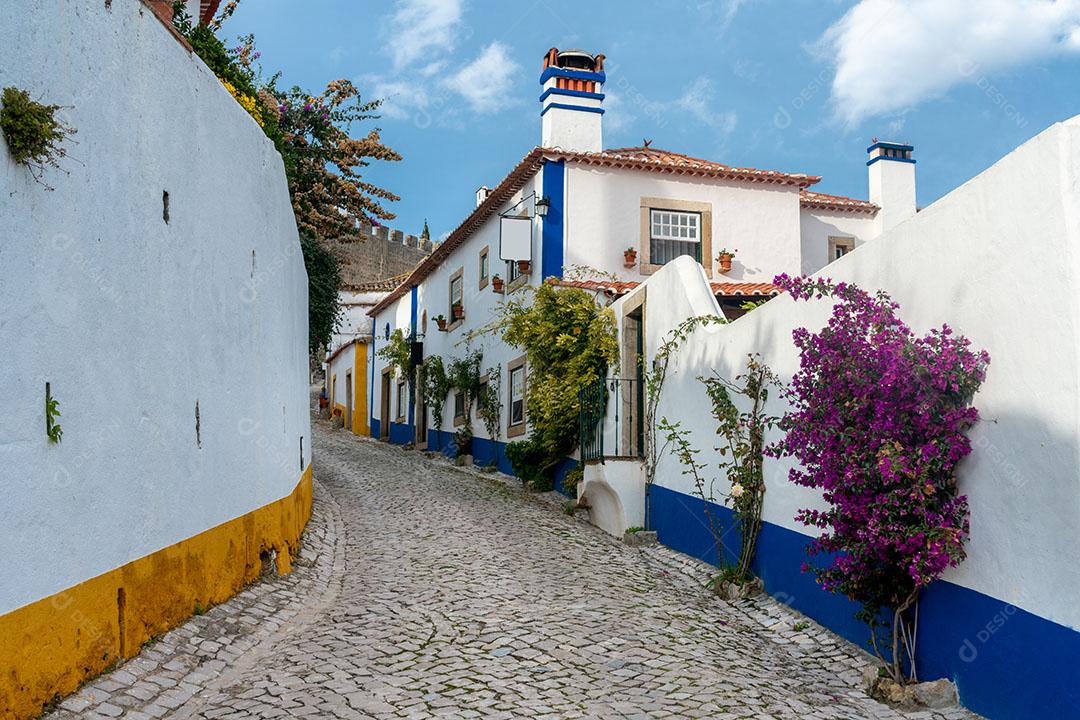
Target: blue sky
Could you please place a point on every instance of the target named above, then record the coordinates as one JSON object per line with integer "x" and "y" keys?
{"x": 795, "y": 85}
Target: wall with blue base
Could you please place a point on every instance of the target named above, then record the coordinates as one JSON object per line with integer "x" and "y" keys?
{"x": 486, "y": 452}
{"x": 1005, "y": 662}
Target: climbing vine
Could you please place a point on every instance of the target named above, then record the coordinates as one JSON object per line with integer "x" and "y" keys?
{"x": 435, "y": 386}
{"x": 32, "y": 131}
{"x": 398, "y": 354}
{"x": 323, "y": 303}
{"x": 52, "y": 411}
{"x": 742, "y": 452}
{"x": 489, "y": 402}
{"x": 568, "y": 341}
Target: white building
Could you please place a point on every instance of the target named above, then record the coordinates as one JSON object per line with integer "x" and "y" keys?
{"x": 588, "y": 206}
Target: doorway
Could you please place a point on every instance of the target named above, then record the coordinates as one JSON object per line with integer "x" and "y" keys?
{"x": 348, "y": 400}
{"x": 421, "y": 414}
{"x": 384, "y": 413}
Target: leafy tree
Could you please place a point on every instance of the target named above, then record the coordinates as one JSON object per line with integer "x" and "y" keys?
{"x": 435, "y": 386}
{"x": 323, "y": 306}
{"x": 569, "y": 341}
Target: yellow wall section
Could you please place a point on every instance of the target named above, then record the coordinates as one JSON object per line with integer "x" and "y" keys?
{"x": 48, "y": 648}
{"x": 360, "y": 414}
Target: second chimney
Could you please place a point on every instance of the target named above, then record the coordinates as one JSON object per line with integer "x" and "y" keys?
{"x": 571, "y": 103}
{"x": 892, "y": 183}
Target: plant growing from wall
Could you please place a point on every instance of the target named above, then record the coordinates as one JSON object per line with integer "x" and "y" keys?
{"x": 489, "y": 403}
{"x": 464, "y": 375}
{"x": 435, "y": 386}
{"x": 658, "y": 437}
{"x": 52, "y": 411}
{"x": 742, "y": 434}
{"x": 878, "y": 419}
{"x": 323, "y": 303}
{"x": 568, "y": 341}
{"x": 33, "y": 133}
{"x": 398, "y": 354}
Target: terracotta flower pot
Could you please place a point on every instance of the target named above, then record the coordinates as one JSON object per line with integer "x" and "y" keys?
{"x": 725, "y": 262}
{"x": 629, "y": 259}
{"x": 497, "y": 284}
{"x": 442, "y": 324}
{"x": 459, "y": 312}
{"x": 524, "y": 266}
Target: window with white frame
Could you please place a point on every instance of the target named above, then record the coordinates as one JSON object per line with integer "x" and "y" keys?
{"x": 484, "y": 267}
{"x": 459, "y": 406}
{"x": 457, "y": 298}
{"x": 672, "y": 234}
{"x": 517, "y": 395}
{"x": 402, "y": 400}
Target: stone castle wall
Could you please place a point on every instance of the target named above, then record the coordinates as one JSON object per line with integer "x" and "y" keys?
{"x": 376, "y": 253}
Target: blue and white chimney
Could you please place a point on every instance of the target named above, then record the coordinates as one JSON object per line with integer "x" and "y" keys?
{"x": 572, "y": 101}
{"x": 892, "y": 183}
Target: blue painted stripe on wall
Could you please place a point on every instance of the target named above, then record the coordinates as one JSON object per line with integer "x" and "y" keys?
{"x": 576, "y": 74}
{"x": 1007, "y": 663}
{"x": 551, "y": 234}
{"x": 375, "y": 428}
{"x": 890, "y": 159}
{"x": 578, "y": 108}
{"x": 402, "y": 433}
{"x": 413, "y": 331}
{"x": 487, "y": 451}
{"x": 571, "y": 93}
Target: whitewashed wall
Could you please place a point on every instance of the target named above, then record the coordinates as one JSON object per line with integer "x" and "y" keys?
{"x": 433, "y": 298}
{"x": 603, "y": 218}
{"x": 997, "y": 260}
{"x": 133, "y": 320}
{"x": 817, "y": 226}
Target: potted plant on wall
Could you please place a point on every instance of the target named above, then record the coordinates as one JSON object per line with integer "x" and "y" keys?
{"x": 497, "y": 284}
{"x": 458, "y": 311}
{"x": 441, "y": 322}
{"x": 724, "y": 258}
{"x": 629, "y": 257}
{"x": 524, "y": 266}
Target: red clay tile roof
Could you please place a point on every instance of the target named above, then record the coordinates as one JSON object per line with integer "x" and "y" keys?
{"x": 384, "y": 285}
{"x": 617, "y": 288}
{"x": 821, "y": 201}
{"x": 207, "y": 10}
{"x": 648, "y": 159}
{"x": 665, "y": 161}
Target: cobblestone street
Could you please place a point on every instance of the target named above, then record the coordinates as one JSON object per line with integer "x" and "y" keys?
{"x": 423, "y": 590}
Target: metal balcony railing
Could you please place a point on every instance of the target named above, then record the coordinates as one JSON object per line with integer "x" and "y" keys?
{"x": 610, "y": 419}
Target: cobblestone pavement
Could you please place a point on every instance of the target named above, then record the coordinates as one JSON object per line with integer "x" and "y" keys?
{"x": 425, "y": 591}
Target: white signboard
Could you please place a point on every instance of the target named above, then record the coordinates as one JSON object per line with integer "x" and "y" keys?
{"x": 515, "y": 238}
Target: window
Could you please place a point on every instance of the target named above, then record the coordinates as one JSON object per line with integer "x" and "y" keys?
{"x": 481, "y": 391}
{"x": 457, "y": 298}
{"x": 484, "y": 267}
{"x": 672, "y": 234}
{"x": 517, "y": 395}
{"x": 402, "y": 400}
{"x": 839, "y": 247}
{"x": 459, "y": 408}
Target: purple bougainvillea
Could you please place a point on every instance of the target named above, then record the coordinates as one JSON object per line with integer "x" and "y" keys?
{"x": 877, "y": 422}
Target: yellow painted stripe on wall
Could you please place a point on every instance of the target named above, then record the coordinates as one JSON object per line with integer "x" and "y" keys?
{"x": 50, "y": 647}
{"x": 360, "y": 414}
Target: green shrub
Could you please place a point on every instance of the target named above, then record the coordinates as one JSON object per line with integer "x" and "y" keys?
{"x": 573, "y": 478}
{"x": 32, "y": 132}
{"x": 529, "y": 460}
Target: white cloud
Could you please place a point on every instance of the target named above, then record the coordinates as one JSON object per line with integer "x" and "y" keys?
{"x": 616, "y": 115}
{"x": 401, "y": 99}
{"x": 892, "y": 54}
{"x": 485, "y": 82}
{"x": 420, "y": 28}
{"x": 697, "y": 101}
{"x": 722, "y": 12}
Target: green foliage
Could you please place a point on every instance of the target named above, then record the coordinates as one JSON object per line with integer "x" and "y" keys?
{"x": 634, "y": 530}
{"x": 463, "y": 437}
{"x": 753, "y": 304}
{"x": 573, "y": 478}
{"x": 33, "y": 134}
{"x": 654, "y": 387}
{"x": 742, "y": 450}
{"x": 323, "y": 280}
{"x": 489, "y": 402}
{"x": 52, "y": 411}
{"x": 530, "y": 462}
{"x": 569, "y": 341}
{"x": 464, "y": 374}
{"x": 398, "y": 354}
{"x": 435, "y": 386}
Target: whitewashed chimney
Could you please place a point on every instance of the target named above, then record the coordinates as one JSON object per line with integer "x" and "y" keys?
{"x": 892, "y": 183}
{"x": 481, "y": 194}
{"x": 571, "y": 112}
